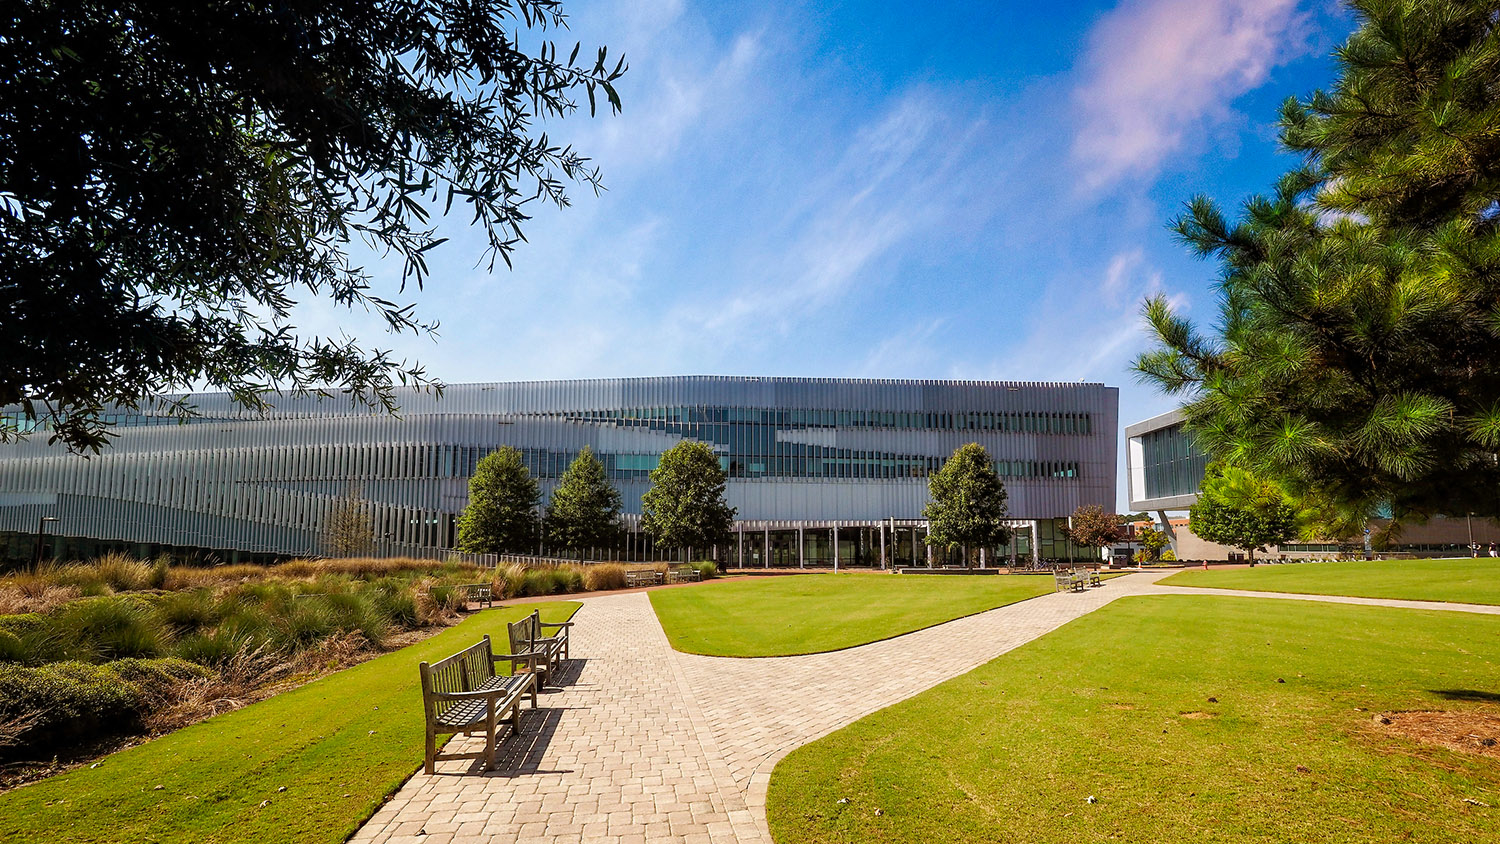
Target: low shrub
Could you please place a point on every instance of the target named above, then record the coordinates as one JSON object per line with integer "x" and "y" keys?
{"x": 707, "y": 570}
{"x": 158, "y": 679}
{"x": 66, "y": 702}
{"x": 604, "y": 576}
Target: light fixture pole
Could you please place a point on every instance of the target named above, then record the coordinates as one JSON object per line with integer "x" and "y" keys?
{"x": 41, "y": 527}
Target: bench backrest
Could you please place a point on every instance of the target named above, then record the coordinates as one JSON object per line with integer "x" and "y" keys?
{"x": 520, "y": 635}
{"x": 1062, "y": 577}
{"x": 463, "y": 672}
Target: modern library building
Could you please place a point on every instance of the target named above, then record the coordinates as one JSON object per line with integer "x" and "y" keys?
{"x": 820, "y": 469}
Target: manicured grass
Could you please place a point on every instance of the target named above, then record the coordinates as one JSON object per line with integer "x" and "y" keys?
{"x": 1464, "y": 580}
{"x": 1117, "y": 705}
{"x": 338, "y": 745}
{"x": 811, "y": 613}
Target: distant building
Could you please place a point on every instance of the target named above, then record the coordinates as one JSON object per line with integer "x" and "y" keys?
{"x": 1164, "y": 469}
{"x": 819, "y": 468}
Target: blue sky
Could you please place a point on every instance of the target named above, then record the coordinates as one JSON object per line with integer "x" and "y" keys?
{"x": 939, "y": 190}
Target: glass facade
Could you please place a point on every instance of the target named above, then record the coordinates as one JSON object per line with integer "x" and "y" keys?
{"x": 798, "y": 451}
{"x": 1172, "y": 462}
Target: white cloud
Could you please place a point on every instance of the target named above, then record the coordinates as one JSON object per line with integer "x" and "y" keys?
{"x": 1159, "y": 74}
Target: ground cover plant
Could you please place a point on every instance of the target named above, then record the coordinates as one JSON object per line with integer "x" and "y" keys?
{"x": 1461, "y": 579}
{"x": 337, "y": 746}
{"x": 779, "y": 616}
{"x": 1177, "y": 719}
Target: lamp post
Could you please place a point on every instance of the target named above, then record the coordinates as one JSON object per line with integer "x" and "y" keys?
{"x": 41, "y": 527}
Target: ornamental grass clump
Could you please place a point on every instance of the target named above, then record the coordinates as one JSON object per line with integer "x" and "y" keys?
{"x": 604, "y": 576}
{"x": 108, "y": 628}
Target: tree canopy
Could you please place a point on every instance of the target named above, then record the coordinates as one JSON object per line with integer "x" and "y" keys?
{"x": 501, "y": 516}
{"x": 175, "y": 176}
{"x": 1238, "y": 509}
{"x": 1153, "y": 541}
{"x": 968, "y": 502}
{"x": 585, "y": 510}
{"x": 685, "y": 506}
{"x": 1095, "y": 527}
{"x": 1356, "y": 358}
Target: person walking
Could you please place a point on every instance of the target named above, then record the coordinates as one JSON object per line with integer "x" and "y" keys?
{"x": 1493, "y": 550}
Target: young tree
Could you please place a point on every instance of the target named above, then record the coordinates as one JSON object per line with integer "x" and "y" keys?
{"x": 1356, "y": 361}
{"x": 349, "y": 527}
{"x": 1237, "y": 509}
{"x": 501, "y": 516}
{"x": 585, "y": 510}
{"x": 175, "y": 175}
{"x": 968, "y": 502}
{"x": 1094, "y": 527}
{"x": 685, "y": 506}
{"x": 1152, "y": 541}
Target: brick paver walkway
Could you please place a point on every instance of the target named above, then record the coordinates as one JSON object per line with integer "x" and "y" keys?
{"x": 645, "y": 744}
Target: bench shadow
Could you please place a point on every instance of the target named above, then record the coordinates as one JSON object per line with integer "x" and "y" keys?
{"x": 567, "y": 675}
{"x": 1467, "y": 694}
{"x": 521, "y": 753}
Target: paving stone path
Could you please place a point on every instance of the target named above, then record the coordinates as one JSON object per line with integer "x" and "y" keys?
{"x": 644, "y": 744}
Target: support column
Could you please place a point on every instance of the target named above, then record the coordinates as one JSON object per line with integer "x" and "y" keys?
{"x": 1036, "y": 545}
{"x": 835, "y": 549}
{"x": 741, "y": 530}
{"x": 1166, "y": 527}
{"x": 926, "y": 535}
{"x": 766, "y": 551}
{"x": 801, "y": 549}
{"x": 882, "y": 546}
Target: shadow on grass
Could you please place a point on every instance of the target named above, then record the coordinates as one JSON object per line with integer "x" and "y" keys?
{"x": 1468, "y": 694}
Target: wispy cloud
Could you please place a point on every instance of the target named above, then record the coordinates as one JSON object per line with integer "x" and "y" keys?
{"x": 1159, "y": 74}
{"x": 896, "y": 177}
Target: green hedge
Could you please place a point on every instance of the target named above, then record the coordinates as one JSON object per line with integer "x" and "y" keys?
{"x": 66, "y": 703}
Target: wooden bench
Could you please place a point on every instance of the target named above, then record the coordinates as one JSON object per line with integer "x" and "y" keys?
{"x": 1094, "y": 579}
{"x": 463, "y": 694}
{"x": 641, "y": 577}
{"x": 526, "y": 636}
{"x": 1066, "y": 581}
{"x": 684, "y": 574}
{"x": 479, "y": 593}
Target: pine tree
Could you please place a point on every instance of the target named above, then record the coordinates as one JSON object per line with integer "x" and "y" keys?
{"x": 585, "y": 510}
{"x": 968, "y": 502}
{"x": 501, "y": 516}
{"x": 1237, "y": 509}
{"x": 1357, "y": 359}
{"x": 685, "y": 506}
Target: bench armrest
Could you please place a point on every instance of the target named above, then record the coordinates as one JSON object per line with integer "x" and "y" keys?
{"x": 526, "y": 656}
{"x": 479, "y": 694}
{"x": 556, "y": 623}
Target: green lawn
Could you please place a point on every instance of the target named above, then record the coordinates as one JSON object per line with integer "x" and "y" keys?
{"x": 338, "y": 745}
{"x": 1117, "y": 705}
{"x": 1463, "y": 580}
{"x": 811, "y": 613}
